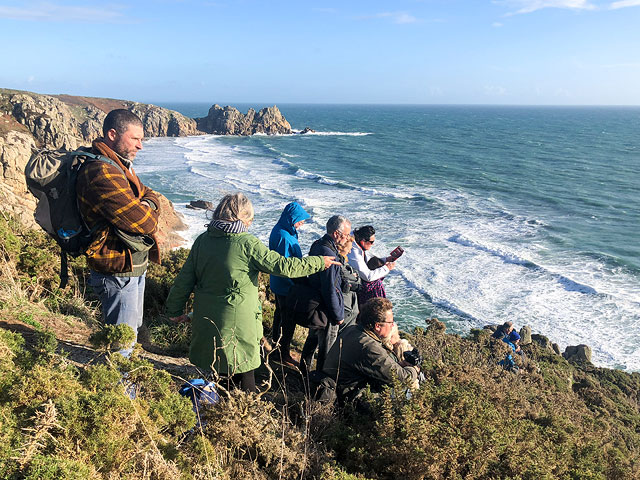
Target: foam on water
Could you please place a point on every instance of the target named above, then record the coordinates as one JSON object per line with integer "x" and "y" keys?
{"x": 469, "y": 260}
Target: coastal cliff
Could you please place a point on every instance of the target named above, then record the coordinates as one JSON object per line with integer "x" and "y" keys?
{"x": 30, "y": 121}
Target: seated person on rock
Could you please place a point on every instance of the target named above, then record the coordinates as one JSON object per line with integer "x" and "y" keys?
{"x": 360, "y": 357}
{"x": 508, "y": 335}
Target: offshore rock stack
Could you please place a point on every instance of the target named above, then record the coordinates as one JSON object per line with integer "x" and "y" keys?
{"x": 230, "y": 121}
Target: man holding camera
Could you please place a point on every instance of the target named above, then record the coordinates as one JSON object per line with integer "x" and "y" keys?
{"x": 359, "y": 357}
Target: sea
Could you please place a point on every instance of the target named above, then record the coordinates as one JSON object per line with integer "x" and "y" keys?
{"x": 528, "y": 214}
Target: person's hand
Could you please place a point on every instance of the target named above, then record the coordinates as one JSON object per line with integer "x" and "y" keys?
{"x": 391, "y": 265}
{"x": 329, "y": 261}
{"x": 181, "y": 319}
{"x": 340, "y": 322}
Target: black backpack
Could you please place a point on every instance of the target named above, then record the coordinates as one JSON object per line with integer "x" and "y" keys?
{"x": 51, "y": 177}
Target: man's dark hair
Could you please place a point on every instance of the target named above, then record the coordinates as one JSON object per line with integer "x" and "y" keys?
{"x": 374, "y": 311}
{"x": 364, "y": 233}
{"x": 119, "y": 120}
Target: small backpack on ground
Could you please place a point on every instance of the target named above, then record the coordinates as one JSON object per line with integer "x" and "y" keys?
{"x": 322, "y": 387}
{"x": 51, "y": 177}
{"x": 202, "y": 394}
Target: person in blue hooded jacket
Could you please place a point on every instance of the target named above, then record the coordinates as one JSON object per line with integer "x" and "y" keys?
{"x": 284, "y": 240}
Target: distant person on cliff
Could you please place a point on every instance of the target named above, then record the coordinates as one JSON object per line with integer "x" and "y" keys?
{"x": 222, "y": 272}
{"x": 124, "y": 215}
{"x": 362, "y": 355}
{"x": 284, "y": 240}
{"x": 329, "y": 285}
{"x": 371, "y": 269}
{"x": 507, "y": 334}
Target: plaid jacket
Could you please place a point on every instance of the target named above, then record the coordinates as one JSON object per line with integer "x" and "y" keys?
{"x": 108, "y": 197}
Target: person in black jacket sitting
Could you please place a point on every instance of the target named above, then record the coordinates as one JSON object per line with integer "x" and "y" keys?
{"x": 361, "y": 357}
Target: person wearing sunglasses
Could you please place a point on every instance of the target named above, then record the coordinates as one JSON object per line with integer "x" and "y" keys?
{"x": 371, "y": 269}
{"x": 360, "y": 356}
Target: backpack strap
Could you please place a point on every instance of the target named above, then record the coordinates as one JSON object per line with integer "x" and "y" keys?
{"x": 64, "y": 270}
{"x": 94, "y": 157}
{"x": 64, "y": 264}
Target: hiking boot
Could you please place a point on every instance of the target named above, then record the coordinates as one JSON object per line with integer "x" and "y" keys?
{"x": 285, "y": 359}
{"x": 289, "y": 361}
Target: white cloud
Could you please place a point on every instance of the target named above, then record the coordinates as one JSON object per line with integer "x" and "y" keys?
{"x": 497, "y": 24}
{"x": 50, "y": 12}
{"x": 528, "y": 6}
{"x": 624, "y": 4}
{"x": 400, "y": 18}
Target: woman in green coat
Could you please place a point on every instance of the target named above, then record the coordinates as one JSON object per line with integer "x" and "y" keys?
{"x": 222, "y": 272}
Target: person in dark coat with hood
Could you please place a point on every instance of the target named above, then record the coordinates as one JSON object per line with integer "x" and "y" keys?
{"x": 284, "y": 240}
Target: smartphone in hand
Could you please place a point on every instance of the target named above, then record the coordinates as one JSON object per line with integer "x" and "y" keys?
{"x": 397, "y": 252}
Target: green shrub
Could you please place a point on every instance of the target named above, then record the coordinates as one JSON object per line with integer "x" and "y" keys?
{"x": 45, "y": 346}
{"x": 113, "y": 337}
{"x": 159, "y": 281}
{"x": 56, "y": 468}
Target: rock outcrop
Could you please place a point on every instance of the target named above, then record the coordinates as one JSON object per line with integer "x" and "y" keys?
{"x": 525, "y": 335}
{"x": 200, "y": 205}
{"x": 160, "y": 122}
{"x": 230, "y": 121}
{"x": 541, "y": 340}
{"x": 578, "y": 353}
{"x": 169, "y": 223}
{"x": 15, "y": 150}
{"x": 67, "y": 122}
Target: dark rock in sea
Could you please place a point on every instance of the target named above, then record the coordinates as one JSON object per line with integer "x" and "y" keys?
{"x": 525, "y": 335}
{"x": 541, "y": 340}
{"x": 200, "y": 204}
{"x": 578, "y": 353}
{"x": 307, "y": 130}
{"x": 230, "y": 121}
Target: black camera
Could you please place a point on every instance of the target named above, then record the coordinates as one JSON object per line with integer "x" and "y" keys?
{"x": 413, "y": 357}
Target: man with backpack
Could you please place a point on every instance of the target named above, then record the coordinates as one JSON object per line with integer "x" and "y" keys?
{"x": 123, "y": 214}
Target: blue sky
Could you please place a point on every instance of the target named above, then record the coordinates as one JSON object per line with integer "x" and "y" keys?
{"x": 523, "y": 52}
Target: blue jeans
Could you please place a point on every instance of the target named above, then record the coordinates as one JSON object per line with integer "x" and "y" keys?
{"x": 122, "y": 300}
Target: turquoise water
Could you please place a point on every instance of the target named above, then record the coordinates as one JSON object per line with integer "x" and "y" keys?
{"x": 528, "y": 214}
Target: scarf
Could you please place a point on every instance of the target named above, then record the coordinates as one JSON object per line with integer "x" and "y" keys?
{"x": 229, "y": 227}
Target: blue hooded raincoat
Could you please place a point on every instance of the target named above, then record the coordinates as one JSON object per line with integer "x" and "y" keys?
{"x": 284, "y": 240}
